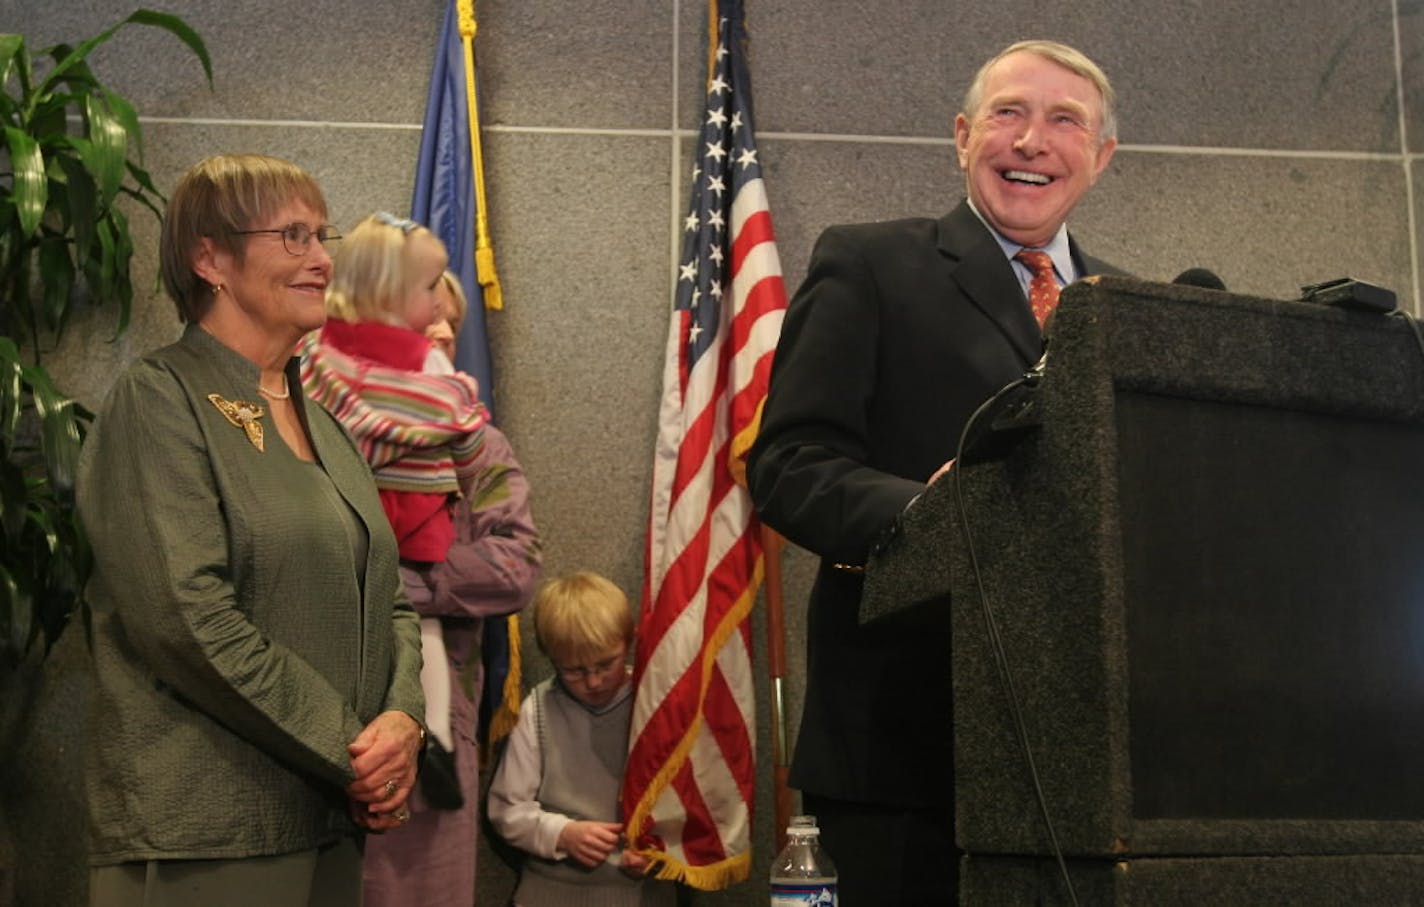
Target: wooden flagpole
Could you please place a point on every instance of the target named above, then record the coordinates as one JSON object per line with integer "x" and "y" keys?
{"x": 771, "y": 545}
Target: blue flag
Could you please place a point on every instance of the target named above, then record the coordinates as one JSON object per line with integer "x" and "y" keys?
{"x": 444, "y": 201}
{"x": 445, "y": 194}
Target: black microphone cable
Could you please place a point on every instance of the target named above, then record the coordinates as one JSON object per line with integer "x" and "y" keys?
{"x": 991, "y": 625}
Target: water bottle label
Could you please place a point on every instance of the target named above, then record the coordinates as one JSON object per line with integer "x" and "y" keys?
{"x": 803, "y": 894}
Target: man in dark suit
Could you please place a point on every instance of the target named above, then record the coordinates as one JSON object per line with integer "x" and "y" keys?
{"x": 898, "y": 333}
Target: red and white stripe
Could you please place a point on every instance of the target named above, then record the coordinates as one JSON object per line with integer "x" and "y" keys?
{"x": 691, "y": 760}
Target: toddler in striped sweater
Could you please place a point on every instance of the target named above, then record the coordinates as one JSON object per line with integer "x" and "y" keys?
{"x": 418, "y": 422}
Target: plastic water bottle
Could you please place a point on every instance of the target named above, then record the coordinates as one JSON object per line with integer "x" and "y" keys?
{"x": 803, "y": 875}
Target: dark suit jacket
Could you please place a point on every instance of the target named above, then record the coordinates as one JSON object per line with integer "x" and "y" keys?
{"x": 898, "y": 333}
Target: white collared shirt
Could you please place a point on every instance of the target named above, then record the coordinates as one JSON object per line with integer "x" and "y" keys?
{"x": 1057, "y": 249}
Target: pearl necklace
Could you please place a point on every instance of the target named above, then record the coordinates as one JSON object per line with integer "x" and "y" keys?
{"x": 286, "y": 391}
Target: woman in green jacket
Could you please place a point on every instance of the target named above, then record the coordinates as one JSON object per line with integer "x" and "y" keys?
{"x": 256, "y": 662}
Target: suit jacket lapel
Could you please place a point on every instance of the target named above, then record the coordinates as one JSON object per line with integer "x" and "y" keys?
{"x": 979, "y": 267}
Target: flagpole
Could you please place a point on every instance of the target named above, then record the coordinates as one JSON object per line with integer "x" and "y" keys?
{"x": 771, "y": 545}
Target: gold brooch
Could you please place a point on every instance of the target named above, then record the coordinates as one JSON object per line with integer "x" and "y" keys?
{"x": 242, "y": 414}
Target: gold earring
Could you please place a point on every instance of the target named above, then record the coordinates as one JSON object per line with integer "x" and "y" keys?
{"x": 217, "y": 288}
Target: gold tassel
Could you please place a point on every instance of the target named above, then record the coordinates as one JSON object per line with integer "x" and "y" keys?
{"x": 507, "y": 715}
{"x": 484, "y": 251}
{"x": 489, "y": 281}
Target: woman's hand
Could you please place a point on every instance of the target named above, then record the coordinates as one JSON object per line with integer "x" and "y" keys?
{"x": 589, "y": 842}
{"x": 384, "y": 757}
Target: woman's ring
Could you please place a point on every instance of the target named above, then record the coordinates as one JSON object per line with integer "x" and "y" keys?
{"x": 403, "y": 816}
{"x": 391, "y": 788}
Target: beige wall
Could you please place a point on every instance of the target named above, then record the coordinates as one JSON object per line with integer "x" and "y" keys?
{"x": 1268, "y": 142}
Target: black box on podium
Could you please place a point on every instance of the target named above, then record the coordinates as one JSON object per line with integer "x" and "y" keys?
{"x": 1203, "y": 565}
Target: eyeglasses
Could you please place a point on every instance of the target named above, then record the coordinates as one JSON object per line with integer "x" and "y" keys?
{"x": 584, "y": 672}
{"x": 296, "y": 238}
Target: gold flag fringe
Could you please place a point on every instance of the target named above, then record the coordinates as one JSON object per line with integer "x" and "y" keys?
{"x": 664, "y": 866}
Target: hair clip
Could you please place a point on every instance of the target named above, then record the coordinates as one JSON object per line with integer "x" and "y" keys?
{"x": 405, "y": 225}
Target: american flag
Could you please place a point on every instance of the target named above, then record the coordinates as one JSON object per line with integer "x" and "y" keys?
{"x": 687, "y": 792}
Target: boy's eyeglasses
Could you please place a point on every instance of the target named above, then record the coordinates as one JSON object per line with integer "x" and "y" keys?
{"x": 584, "y": 672}
{"x": 296, "y": 238}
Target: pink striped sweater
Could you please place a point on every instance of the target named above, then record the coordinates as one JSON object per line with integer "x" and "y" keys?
{"x": 422, "y": 434}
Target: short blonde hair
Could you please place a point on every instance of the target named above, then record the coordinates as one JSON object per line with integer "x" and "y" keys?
{"x": 372, "y": 271}
{"x": 1071, "y": 59}
{"x": 579, "y": 618}
{"x": 457, "y": 293}
{"x": 216, "y": 197}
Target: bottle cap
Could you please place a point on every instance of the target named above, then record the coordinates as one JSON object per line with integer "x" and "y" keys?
{"x": 803, "y": 825}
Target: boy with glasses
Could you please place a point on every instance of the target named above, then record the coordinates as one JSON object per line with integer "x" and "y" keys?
{"x": 555, "y": 794}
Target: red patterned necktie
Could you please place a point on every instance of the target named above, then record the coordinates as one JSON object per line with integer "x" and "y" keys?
{"x": 1043, "y": 288}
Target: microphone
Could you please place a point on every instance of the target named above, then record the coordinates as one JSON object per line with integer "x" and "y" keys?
{"x": 1351, "y": 294}
{"x": 1010, "y": 413}
{"x": 1033, "y": 375}
{"x": 1199, "y": 277}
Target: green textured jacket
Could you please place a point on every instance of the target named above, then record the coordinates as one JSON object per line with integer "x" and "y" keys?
{"x": 248, "y": 617}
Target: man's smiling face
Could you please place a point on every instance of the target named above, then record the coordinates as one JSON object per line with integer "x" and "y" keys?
{"x": 1033, "y": 147}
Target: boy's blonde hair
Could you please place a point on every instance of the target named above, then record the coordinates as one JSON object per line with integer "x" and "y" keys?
{"x": 579, "y": 618}
{"x": 372, "y": 272}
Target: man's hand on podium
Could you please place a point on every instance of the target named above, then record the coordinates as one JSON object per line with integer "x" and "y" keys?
{"x": 941, "y": 471}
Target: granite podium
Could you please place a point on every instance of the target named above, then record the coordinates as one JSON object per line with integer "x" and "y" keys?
{"x": 1197, "y": 539}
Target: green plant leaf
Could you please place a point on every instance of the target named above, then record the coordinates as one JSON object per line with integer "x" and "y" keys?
{"x": 105, "y": 231}
{"x": 48, "y": 122}
{"x": 15, "y": 493}
{"x": 145, "y": 183}
{"x": 57, "y": 221}
{"x": 145, "y": 200}
{"x": 49, "y": 107}
{"x": 21, "y": 308}
{"x": 41, "y": 520}
{"x": 61, "y": 438}
{"x": 68, "y": 58}
{"x": 14, "y": 616}
{"x": 180, "y": 30}
{"x": 123, "y": 255}
{"x": 11, "y": 247}
{"x": 29, "y": 184}
{"x": 62, "y": 589}
{"x": 11, "y": 395}
{"x": 24, "y": 71}
{"x": 57, "y": 277}
{"x": 81, "y": 196}
{"x": 10, "y": 47}
{"x": 165, "y": 21}
{"x": 108, "y": 149}
{"x": 127, "y": 117}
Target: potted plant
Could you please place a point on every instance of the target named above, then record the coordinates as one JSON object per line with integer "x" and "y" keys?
{"x": 70, "y": 148}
